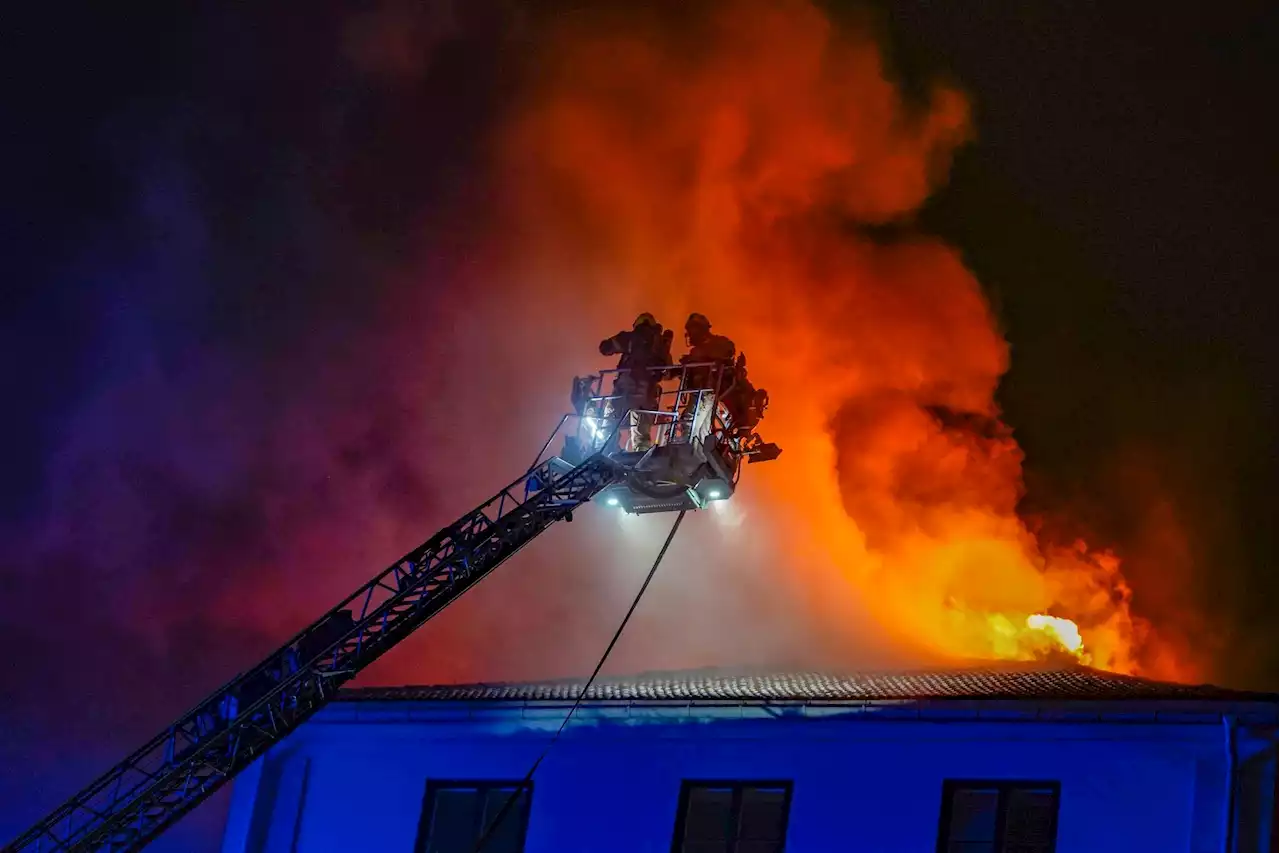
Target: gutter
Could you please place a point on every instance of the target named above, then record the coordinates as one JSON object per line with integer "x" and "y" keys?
{"x": 532, "y": 710}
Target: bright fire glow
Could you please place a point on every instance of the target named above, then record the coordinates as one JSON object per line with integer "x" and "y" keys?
{"x": 1065, "y": 632}
{"x": 745, "y": 172}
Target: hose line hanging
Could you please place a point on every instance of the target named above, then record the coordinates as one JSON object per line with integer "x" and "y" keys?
{"x": 528, "y": 777}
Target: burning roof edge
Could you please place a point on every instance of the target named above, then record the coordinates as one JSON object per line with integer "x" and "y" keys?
{"x": 1008, "y": 682}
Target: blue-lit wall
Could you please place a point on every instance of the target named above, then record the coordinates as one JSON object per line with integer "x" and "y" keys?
{"x": 353, "y": 778}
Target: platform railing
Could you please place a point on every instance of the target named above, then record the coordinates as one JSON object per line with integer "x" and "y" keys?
{"x": 688, "y": 405}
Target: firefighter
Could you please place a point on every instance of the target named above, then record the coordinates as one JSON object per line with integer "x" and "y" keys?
{"x": 645, "y": 347}
{"x": 744, "y": 402}
{"x": 698, "y": 399}
{"x": 737, "y": 397}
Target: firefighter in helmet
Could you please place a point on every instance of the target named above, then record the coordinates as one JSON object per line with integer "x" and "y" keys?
{"x": 713, "y": 354}
{"x": 744, "y": 402}
{"x": 641, "y": 349}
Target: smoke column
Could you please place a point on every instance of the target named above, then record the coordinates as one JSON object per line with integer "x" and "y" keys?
{"x": 758, "y": 165}
{"x": 325, "y": 330}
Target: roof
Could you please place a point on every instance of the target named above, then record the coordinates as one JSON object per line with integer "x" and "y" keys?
{"x": 1006, "y": 682}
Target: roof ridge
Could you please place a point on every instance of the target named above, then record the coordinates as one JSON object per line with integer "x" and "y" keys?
{"x": 991, "y": 667}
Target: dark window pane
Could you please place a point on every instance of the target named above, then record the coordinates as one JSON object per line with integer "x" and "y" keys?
{"x": 453, "y": 821}
{"x": 973, "y": 816}
{"x": 732, "y": 818}
{"x": 762, "y": 815}
{"x": 971, "y": 847}
{"x": 505, "y": 837}
{"x": 710, "y": 815}
{"x": 759, "y": 847}
{"x": 1029, "y": 821}
{"x": 706, "y": 847}
{"x": 1000, "y": 817}
{"x": 458, "y": 816}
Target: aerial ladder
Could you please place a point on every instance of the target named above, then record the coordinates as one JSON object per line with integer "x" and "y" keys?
{"x": 701, "y": 436}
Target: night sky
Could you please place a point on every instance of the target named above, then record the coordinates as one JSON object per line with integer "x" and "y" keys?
{"x": 208, "y": 212}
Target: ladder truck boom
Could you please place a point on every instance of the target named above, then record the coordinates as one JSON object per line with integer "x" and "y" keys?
{"x": 136, "y": 800}
{"x": 180, "y": 767}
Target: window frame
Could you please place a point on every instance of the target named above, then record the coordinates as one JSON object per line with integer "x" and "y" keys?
{"x": 1003, "y": 789}
{"x": 423, "y": 839}
{"x": 737, "y": 786}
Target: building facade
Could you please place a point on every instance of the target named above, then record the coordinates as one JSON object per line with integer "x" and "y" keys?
{"x": 971, "y": 761}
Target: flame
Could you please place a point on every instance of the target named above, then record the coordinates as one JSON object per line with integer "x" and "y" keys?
{"x": 1063, "y": 631}
{"x": 1037, "y": 636}
{"x": 740, "y": 162}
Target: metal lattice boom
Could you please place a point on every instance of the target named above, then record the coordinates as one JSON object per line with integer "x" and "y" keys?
{"x": 178, "y": 769}
{"x": 697, "y": 455}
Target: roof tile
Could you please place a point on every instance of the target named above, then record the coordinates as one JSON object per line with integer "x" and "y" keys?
{"x": 988, "y": 682}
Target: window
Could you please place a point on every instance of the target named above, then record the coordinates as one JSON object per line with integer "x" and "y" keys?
{"x": 732, "y": 817}
{"x": 998, "y": 817}
{"x": 456, "y": 814}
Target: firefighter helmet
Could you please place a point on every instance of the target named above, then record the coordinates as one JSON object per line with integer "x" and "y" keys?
{"x": 646, "y": 317}
{"x": 696, "y": 319}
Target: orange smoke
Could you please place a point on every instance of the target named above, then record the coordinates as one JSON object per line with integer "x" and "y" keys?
{"x": 756, "y": 163}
